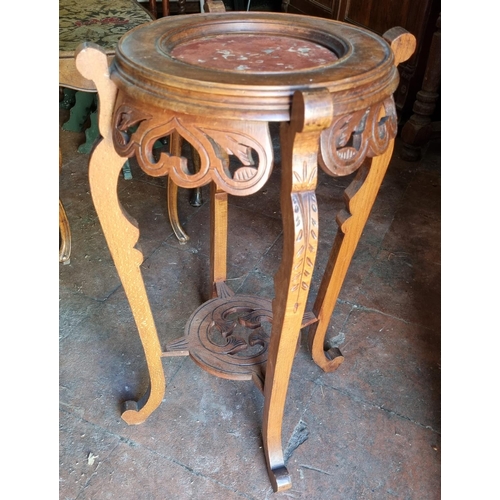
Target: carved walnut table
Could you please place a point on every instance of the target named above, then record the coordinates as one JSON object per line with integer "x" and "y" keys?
{"x": 217, "y": 80}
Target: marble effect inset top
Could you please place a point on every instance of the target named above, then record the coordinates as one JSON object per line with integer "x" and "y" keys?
{"x": 253, "y": 52}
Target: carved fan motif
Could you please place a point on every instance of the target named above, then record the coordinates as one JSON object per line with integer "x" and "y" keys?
{"x": 354, "y": 137}
{"x": 135, "y": 133}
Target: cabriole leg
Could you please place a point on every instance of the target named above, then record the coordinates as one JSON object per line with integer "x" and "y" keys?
{"x": 120, "y": 230}
{"x": 360, "y": 196}
{"x": 311, "y": 112}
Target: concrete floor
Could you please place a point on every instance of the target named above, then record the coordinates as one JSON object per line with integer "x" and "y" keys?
{"x": 370, "y": 430}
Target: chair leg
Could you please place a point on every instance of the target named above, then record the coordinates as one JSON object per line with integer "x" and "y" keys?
{"x": 92, "y": 132}
{"x": 68, "y": 100}
{"x": 195, "y": 198}
{"x": 65, "y": 235}
{"x": 79, "y": 112}
{"x": 172, "y": 190}
{"x": 64, "y": 231}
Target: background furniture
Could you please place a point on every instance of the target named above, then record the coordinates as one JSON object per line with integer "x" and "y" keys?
{"x": 217, "y": 80}
{"x": 98, "y": 21}
{"x": 423, "y": 125}
{"x": 163, "y": 8}
{"x": 102, "y": 22}
{"x": 419, "y": 17}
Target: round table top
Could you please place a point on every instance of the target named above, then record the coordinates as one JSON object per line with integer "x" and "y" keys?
{"x": 247, "y": 65}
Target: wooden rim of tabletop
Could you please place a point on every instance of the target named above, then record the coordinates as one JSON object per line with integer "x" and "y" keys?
{"x": 361, "y": 70}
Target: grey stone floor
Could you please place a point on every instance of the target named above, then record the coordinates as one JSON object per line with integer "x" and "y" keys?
{"x": 371, "y": 430}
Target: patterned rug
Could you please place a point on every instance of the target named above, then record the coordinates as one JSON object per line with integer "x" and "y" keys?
{"x": 100, "y": 21}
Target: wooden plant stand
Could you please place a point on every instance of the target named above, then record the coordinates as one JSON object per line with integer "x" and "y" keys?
{"x": 217, "y": 80}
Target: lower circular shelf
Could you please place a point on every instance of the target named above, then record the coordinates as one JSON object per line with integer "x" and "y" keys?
{"x": 229, "y": 337}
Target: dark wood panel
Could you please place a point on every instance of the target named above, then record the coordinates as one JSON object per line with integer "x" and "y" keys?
{"x": 380, "y": 16}
{"x": 328, "y": 4}
{"x": 321, "y": 8}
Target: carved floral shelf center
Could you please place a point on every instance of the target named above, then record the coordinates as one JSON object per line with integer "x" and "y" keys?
{"x": 216, "y": 81}
{"x": 229, "y": 337}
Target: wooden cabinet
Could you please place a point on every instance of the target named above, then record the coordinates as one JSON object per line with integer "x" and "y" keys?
{"x": 417, "y": 16}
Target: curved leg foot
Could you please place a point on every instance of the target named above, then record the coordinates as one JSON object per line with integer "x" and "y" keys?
{"x": 336, "y": 358}
{"x": 280, "y": 478}
{"x": 132, "y": 411}
{"x": 195, "y": 198}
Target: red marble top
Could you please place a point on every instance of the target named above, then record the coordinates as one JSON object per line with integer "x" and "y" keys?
{"x": 253, "y": 52}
